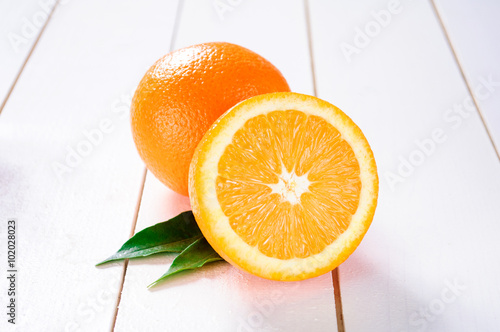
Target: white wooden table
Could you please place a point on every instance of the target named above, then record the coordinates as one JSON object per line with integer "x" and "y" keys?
{"x": 421, "y": 78}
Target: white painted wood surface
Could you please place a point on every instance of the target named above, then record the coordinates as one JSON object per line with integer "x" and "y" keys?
{"x": 474, "y": 31}
{"x": 430, "y": 260}
{"x": 20, "y": 24}
{"x": 217, "y": 297}
{"x": 77, "y": 81}
{"x": 220, "y": 297}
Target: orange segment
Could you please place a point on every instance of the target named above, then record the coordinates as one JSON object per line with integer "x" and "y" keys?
{"x": 284, "y": 186}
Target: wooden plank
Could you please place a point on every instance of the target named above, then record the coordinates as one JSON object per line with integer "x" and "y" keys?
{"x": 220, "y": 297}
{"x": 217, "y": 297}
{"x": 69, "y": 170}
{"x": 20, "y": 25}
{"x": 268, "y": 28}
{"x": 474, "y": 32}
{"x": 431, "y": 258}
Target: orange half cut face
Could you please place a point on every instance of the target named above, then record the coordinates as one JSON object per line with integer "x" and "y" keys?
{"x": 284, "y": 186}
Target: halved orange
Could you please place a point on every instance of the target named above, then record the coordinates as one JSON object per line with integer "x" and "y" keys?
{"x": 284, "y": 186}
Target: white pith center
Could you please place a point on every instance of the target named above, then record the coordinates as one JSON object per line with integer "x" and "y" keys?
{"x": 290, "y": 186}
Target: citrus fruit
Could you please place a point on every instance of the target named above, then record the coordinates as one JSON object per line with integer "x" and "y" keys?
{"x": 183, "y": 93}
{"x": 284, "y": 186}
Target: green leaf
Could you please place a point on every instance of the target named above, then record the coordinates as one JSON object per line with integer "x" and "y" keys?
{"x": 173, "y": 235}
{"x": 196, "y": 255}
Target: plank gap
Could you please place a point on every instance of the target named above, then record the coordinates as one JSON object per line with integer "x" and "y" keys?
{"x": 118, "y": 299}
{"x": 338, "y": 300}
{"x": 310, "y": 44}
{"x": 132, "y": 232}
{"x": 139, "y": 200}
{"x": 178, "y": 14}
{"x": 462, "y": 73}
{"x": 9, "y": 92}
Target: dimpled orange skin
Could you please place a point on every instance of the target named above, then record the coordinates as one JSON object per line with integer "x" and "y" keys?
{"x": 183, "y": 93}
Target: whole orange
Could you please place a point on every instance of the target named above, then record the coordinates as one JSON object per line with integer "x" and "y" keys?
{"x": 183, "y": 93}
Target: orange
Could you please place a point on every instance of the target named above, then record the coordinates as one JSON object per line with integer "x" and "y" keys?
{"x": 183, "y": 93}
{"x": 284, "y": 186}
